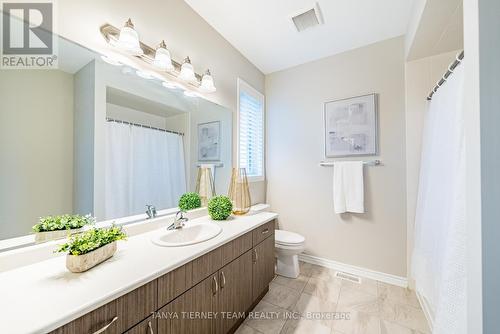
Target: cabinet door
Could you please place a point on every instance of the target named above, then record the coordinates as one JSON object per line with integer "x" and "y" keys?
{"x": 192, "y": 312}
{"x": 235, "y": 292}
{"x": 263, "y": 266}
{"x": 147, "y": 326}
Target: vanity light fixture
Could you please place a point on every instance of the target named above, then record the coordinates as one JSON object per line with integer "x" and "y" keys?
{"x": 187, "y": 71}
{"x": 207, "y": 83}
{"x": 162, "y": 60}
{"x": 160, "y": 64}
{"x": 128, "y": 40}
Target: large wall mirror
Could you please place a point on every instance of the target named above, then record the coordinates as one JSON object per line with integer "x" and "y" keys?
{"x": 93, "y": 138}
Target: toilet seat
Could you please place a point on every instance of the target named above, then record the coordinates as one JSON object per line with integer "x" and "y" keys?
{"x": 287, "y": 238}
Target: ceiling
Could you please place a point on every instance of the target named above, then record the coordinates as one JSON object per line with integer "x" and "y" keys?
{"x": 262, "y": 30}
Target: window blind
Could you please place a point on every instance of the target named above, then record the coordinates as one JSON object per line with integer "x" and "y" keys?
{"x": 251, "y": 131}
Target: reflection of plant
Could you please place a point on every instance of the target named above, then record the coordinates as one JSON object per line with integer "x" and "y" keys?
{"x": 189, "y": 201}
{"x": 220, "y": 207}
{"x": 90, "y": 240}
{"x": 64, "y": 222}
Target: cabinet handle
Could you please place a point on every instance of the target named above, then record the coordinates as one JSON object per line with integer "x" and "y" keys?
{"x": 150, "y": 328}
{"x": 266, "y": 231}
{"x": 223, "y": 278}
{"x": 106, "y": 327}
{"x": 255, "y": 255}
{"x": 215, "y": 286}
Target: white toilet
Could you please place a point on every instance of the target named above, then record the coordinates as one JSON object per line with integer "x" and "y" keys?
{"x": 288, "y": 246}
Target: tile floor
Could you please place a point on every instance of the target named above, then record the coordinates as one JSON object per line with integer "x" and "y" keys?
{"x": 368, "y": 308}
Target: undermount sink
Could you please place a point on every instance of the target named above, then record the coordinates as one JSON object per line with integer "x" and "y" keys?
{"x": 188, "y": 235}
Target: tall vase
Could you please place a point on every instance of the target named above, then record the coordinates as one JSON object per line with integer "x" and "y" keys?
{"x": 239, "y": 192}
{"x": 205, "y": 185}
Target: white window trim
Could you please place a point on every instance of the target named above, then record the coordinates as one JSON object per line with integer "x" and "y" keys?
{"x": 241, "y": 83}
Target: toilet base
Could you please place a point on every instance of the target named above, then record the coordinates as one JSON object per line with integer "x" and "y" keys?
{"x": 288, "y": 266}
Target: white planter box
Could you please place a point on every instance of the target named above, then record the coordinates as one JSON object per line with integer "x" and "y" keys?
{"x": 54, "y": 235}
{"x": 81, "y": 263}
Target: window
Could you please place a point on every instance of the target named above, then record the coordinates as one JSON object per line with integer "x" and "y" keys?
{"x": 250, "y": 131}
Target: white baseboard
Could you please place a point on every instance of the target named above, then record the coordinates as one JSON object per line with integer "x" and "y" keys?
{"x": 426, "y": 309}
{"x": 363, "y": 272}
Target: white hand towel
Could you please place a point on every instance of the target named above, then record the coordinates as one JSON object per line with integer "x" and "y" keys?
{"x": 348, "y": 188}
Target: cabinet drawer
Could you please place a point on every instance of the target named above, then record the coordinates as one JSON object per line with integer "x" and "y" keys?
{"x": 118, "y": 315}
{"x": 236, "y": 248}
{"x": 206, "y": 265}
{"x": 174, "y": 283}
{"x": 262, "y": 232}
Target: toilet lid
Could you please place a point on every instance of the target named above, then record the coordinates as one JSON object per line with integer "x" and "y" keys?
{"x": 288, "y": 238}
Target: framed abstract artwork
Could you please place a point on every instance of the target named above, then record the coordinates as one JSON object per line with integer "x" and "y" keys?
{"x": 209, "y": 141}
{"x": 351, "y": 127}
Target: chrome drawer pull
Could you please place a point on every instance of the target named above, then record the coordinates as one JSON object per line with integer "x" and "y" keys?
{"x": 215, "y": 286}
{"x": 265, "y": 231}
{"x": 106, "y": 327}
{"x": 223, "y": 283}
{"x": 150, "y": 328}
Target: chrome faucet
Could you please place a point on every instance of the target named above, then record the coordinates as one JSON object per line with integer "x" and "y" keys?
{"x": 178, "y": 221}
{"x": 150, "y": 211}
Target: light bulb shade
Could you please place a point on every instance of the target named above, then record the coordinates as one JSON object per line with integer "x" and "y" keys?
{"x": 129, "y": 39}
{"x": 207, "y": 83}
{"x": 162, "y": 59}
{"x": 187, "y": 71}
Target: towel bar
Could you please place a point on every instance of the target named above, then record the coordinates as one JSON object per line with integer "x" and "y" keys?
{"x": 366, "y": 163}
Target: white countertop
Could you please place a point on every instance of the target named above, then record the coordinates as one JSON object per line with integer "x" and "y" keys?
{"x": 44, "y": 296}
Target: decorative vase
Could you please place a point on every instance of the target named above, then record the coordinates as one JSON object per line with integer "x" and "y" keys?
{"x": 81, "y": 263}
{"x": 205, "y": 185}
{"x": 239, "y": 192}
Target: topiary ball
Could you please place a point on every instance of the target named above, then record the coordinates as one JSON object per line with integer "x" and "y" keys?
{"x": 220, "y": 207}
{"x": 189, "y": 201}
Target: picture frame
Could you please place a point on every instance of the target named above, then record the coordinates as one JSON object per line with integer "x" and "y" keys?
{"x": 209, "y": 136}
{"x": 351, "y": 127}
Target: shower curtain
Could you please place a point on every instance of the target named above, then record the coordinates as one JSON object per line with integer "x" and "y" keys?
{"x": 143, "y": 166}
{"x": 438, "y": 264}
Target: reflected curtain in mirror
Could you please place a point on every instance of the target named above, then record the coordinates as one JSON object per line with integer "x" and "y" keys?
{"x": 143, "y": 166}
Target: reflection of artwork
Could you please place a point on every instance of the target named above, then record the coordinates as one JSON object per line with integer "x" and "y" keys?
{"x": 351, "y": 127}
{"x": 209, "y": 141}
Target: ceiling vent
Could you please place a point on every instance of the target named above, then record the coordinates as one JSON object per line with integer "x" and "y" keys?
{"x": 308, "y": 19}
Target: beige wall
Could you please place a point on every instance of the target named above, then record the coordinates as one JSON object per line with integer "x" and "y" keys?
{"x": 36, "y": 148}
{"x": 185, "y": 33}
{"x": 301, "y": 191}
{"x": 421, "y": 77}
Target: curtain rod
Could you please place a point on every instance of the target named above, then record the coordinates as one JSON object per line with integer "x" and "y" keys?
{"x": 142, "y": 126}
{"x": 451, "y": 68}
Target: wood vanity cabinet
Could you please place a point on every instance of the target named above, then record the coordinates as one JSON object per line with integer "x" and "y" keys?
{"x": 207, "y": 295}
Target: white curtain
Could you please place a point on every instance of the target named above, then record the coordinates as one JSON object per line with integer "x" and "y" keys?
{"x": 143, "y": 166}
{"x": 439, "y": 254}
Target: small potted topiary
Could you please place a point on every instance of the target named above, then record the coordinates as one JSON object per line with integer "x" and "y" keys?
{"x": 88, "y": 249}
{"x": 220, "y": 207}
{"x": 189, "y": 201}
{"x": 58, "y": 227}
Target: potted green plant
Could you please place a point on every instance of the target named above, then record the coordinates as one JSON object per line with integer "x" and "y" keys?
{"x": 88, "y": 249}
{"x": 220, "y": 207}
{"x": 189, "y": 201}
{"x": 58, "y": 227}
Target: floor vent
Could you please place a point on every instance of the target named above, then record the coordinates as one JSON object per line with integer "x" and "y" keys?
{"x": 348, "y": 277}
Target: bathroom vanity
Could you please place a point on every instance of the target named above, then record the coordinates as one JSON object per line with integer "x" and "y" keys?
{"x": 145, "y": 288}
